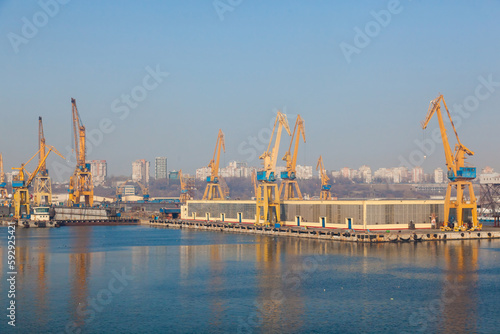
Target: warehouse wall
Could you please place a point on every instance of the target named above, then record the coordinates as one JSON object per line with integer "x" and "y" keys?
{"x": 369, "y": 214}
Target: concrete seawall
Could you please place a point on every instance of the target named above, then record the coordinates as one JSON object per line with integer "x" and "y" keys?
{"x": 329, "y": 234}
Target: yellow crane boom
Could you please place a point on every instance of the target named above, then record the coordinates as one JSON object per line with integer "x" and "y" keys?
{"x": 454, "y": 162}
{"x": 268, "y": 197}
{"x": 184, "y": 197}
{"x": 3, "y": 184}
{"x": 20, "y": 184}
{"x": 213, "y": 190}
{"x": 289, "y": 188}
{"x": 80, "y": 183}
{"x": 459, "y": 175}
{"x": 43, "y": 184}
{"x": 269, "y": 157}
{"x": 325, "y": 187}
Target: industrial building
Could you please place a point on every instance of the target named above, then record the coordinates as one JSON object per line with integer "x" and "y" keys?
{"x": 354, "y": 214}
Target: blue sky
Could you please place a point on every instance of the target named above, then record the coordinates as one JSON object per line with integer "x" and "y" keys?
{"x": 234, "y": 73}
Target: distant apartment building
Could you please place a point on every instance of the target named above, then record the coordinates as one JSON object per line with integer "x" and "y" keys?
{"x": 99, "y": 170}
{"x": 417, "y": 175}
{"x": 203, "y": 173}
{"x": 384, "y": 174}
{"x": 365, "y": 172}
{"x": 241, "y": 170}
{"x": 304, "y": 172}
{"x": 140, "y": 171}
{"x": 438, "y": 175}
{"x": 160, "y": 168}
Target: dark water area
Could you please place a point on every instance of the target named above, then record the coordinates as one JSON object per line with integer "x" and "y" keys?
{"x": 138, "y": 279}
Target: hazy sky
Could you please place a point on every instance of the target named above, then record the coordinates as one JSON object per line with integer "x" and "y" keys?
{"x": 159, "y": 78}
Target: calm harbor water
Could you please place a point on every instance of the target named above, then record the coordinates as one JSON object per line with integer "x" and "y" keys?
{"x": 138, "y": 279}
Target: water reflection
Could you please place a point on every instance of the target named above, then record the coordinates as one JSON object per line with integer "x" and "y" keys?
{"x": 79, "y": 266}
{"x": 459, "y": 300}
{"x": 207, "y": 282}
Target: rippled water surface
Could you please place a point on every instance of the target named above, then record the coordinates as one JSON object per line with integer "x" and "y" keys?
{"x": 138, "y": 279}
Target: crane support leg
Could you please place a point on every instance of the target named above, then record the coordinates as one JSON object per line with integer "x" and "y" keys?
{"x": 460, "y": 204}
{"x": 291, "y": 190}
{"x": 268, "y": 204}
{"x": 325, "y": 195}
{"x": 21, "y": 202}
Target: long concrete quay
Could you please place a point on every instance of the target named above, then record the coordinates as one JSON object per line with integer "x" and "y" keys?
{"x": 332, "y": 234}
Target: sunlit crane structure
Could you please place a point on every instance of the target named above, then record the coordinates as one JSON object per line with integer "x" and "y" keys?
{"x": 289, "y": 188}
{"x": 268, "y": 199}
{"x": 3, "y": 184}
{"x": 80, "y": 183}
{"x": 325, "y": 187}
{"x": 144, "y": 191}
{"x": 42, "y": 193}
{"x": 459, "y": 175}
{"x": 23, "y": 180}
{"x": 184, "y": 197}
{"x": 119, "y": 190}
{"x": 121, "y": 187}
{"x": 213, "y": 190}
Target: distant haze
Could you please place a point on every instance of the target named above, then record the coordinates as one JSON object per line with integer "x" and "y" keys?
{"x": 159, "y": 78}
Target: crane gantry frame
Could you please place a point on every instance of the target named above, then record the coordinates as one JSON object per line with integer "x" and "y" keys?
{"x": 213, "y": 190}
{"x": 459, "y": 175}
{"x": 184, "y": 197}
{"x": 20, "y": 183}
{"x": 80, "y": 183}
{"x": 325, "y": 187}
{"x": 289, "y": 188}
{"x": 42, "y": 193}
{"x": 268, "y": 198}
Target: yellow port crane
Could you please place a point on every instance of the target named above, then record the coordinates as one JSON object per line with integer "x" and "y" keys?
{"x": 268, "y": 199}
{"x": 43, "y": 186}
{"x": 325, "y": 187}
{"x": 184, "y": 197}
{"x": 213, "y": 190}
{"x": 459, "y": 175}
{"x": 3, "y": 184}
{"x": 145, "y": 191}
{"x": 120, "y": 188}
{"x": 80, "y": 183}
{"x": 23, "y": 180}
{"x": 289, "y": 188}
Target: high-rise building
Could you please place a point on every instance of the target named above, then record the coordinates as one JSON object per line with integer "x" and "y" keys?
{"x": 160, "y": 168}
{"x": 99, "y": 170}
{"x": 140, "y": 171}
{"x": 417, "y": 175}
{"x": 438, "y": 175}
